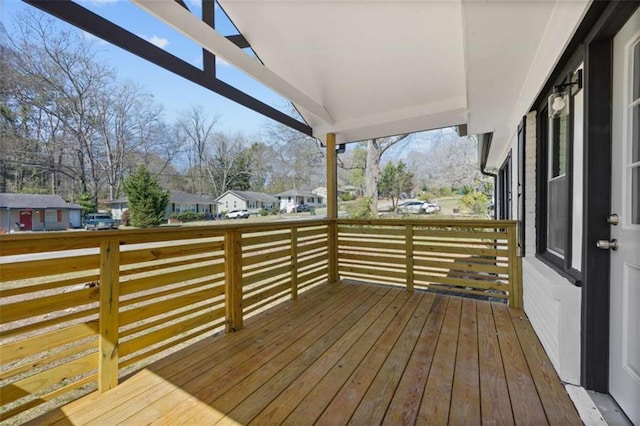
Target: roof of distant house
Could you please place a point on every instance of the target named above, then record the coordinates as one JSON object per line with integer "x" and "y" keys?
{"x": 251, "y": 196}
{"x": 180, "y": 197}
{"x": 297, "y": 193}
{"x": 34, "y": 201}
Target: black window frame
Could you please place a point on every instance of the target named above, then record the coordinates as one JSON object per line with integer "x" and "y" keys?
{"x": 505, "y": 190}
{"x": 520, "y": 190}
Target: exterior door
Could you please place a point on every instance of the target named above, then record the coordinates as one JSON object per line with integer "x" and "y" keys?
{"x": 25, "y": 220}
{"x": 624, "y": 359}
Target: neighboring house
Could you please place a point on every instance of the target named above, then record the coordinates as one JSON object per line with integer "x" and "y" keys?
{"x": 179, "y": 201}
{"x": 349, "y": 189}
{"x": 322, "y": 192}
{"x": 290, "y": 199}
{"x": 246, "y": 200}
{"x": 29, "y": 212}
{"x": 570, "y": 175}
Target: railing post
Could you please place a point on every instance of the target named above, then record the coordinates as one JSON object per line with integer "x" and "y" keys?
{"x": 109, "y": 316}
{"x": 515, "y": 270}
{"x": 332, "y": 206}
{"x": 333, "y": 251}
{"x": 294, "y": 263}
{"x": 233, "y": 279}
{"x": 409, "y": 253}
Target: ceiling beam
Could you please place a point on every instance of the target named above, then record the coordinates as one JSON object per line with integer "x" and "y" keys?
{"x": 239, "y": 40}
{"x": 88, "y": 21}
{"x": 175, "y": 16}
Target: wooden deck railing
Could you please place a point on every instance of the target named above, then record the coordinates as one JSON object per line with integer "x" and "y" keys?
{"x": 81, "y": 319}
{"x": 79, "y": 310}
{"x": 476, "y": 257}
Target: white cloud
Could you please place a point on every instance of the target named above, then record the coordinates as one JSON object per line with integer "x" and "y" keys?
{"x": 91, "y": 38}
{"x": 155, "y": 40}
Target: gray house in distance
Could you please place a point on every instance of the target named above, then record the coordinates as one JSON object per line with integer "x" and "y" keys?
{"x": 31, "y": 212}
{"x": 179, "y": 202}
{"x": 246, "y": 200}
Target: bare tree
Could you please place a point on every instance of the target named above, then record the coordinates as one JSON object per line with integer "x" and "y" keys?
{"x": 300, "y": 162}
{"x": 195, "y": 128}
{"x": 452, "y": 161}
{"x": 375, "y": 150}
{"x": 228, "y": 163}
{"x": 62, "y": 79}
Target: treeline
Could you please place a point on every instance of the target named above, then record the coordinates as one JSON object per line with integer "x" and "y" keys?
{"x": 70, "y": 126}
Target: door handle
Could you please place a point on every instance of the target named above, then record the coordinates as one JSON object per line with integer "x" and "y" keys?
{"x": 613, "y": 219}
{"x": 607, "y": 245}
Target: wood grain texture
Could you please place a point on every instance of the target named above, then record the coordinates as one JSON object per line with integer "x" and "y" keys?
{"x": 495, "y": 405}
{"x": 525, "y": 401}
{"x": 348, "y": 353}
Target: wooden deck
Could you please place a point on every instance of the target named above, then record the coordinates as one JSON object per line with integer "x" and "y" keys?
{"x": 344, "y": 353}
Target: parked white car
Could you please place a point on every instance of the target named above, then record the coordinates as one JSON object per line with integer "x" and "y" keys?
{"x": 418, "y": 207}
{"x": 237, "y": 214}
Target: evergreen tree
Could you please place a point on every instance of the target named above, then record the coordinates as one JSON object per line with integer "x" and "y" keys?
{"x": 395, "y": 180}
{"x": 147, "y": 199}
{"x": 88, "y": 204}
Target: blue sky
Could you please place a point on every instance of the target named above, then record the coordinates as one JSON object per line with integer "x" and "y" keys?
{"x": 175, "y": 93}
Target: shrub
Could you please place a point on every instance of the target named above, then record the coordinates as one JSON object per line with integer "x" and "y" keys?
{"x": 188, "y": 216}
{"x": 476, "y": 201}
{"x": 126, "y": 218}
{"x": 263, "y": 212}
{"x": 360, "y": 208}
{"x": 427, "y": 196}
{"x": 347, "y": 196}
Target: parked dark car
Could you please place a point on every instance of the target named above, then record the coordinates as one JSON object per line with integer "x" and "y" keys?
{"x": 95, "y": 221}
{"x": 302, "y": 208}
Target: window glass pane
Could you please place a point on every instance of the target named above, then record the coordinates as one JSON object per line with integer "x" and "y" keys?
{"x": 635, "y": 196}
{"x": 557, "y": 215}
{"x": 558, "y": 147}
{"x": 635, "y": 141}
{"x": 636, "y": 71}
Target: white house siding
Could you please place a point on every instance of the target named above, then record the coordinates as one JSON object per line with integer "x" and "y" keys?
{"x": 551, "y": 302}
{"x": 230, "y": 202}
{"x": 117, "y": 209}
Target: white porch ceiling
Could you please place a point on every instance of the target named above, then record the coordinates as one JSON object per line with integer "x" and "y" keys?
{"x": 373, "y": 68}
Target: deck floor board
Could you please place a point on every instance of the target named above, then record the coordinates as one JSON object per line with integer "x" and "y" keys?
{"x": 345, "y": 353}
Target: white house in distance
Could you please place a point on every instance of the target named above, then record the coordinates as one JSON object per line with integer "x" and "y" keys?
{"x": 179, "y": 202}
{"x": 30, "y": 212}
{"x": 290, "y": 199}
{"x": 246, "y": 200}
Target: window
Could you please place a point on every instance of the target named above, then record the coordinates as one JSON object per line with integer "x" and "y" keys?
{"x": 504, "y": 189}
{"x": 50, "y": 216}
{"x": 559, "y": 213}
{"x": 557, "y": 203}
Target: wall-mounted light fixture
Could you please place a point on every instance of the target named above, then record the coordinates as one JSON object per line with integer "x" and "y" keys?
{"x": 340, "y": 148}
{"x": 558, "y": 102}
